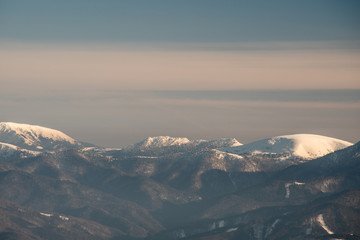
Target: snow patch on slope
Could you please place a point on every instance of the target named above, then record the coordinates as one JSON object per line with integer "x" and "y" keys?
{"x": 287, "y": 187}
{"x": 6, "y": 147}
{"x": 46, "y": 214}
{"x": 232, "y": 229}
{"x": 320, "y": 220}
{"x": 7, "y": 150}
{"x": 270, "y": 229}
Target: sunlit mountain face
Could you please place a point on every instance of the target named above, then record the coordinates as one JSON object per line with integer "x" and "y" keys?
{"x": 284, "y": 187}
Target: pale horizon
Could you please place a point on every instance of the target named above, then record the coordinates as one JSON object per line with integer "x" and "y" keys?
{"x": 115, "y": 73}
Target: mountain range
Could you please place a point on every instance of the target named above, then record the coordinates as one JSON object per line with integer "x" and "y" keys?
{"x": 286, "y": 187}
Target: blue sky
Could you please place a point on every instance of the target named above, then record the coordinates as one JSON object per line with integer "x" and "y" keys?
{"x": 179, "y": 21}
{"x": 114, "y": 72}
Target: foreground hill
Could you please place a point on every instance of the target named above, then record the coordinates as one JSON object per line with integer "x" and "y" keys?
{"x": 319, "y": 199}
{"x": 332, "y": 217}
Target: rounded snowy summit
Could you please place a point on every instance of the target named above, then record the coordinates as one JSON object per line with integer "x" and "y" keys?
{"x": 33, "y": 137}
{"x": 307, "y": 146}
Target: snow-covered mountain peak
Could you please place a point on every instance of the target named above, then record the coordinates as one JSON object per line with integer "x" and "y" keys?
{"x": 166, "y": 141}
{"x": 32, "y": 136}
{"x": 162, "y": 141}
{"x": 306, "y": 146}
{"x": 232, "y": 141}
{"x": 217, "y": 143}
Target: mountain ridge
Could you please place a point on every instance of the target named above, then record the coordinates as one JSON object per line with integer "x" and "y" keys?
{"x": 32, "y": 137}
{"x": 177, "y": 188}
